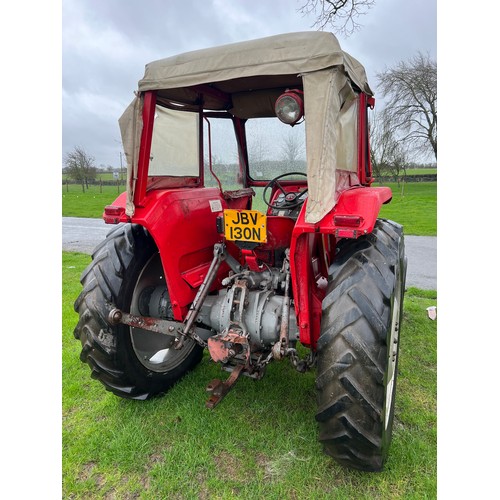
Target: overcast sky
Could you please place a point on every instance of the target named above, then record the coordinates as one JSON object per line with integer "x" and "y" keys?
{"x": 106, "y": 44}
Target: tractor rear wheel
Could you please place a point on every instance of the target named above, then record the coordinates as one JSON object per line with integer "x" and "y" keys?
{"x": 126, "y": 272}
{"x": 359, "y": 345}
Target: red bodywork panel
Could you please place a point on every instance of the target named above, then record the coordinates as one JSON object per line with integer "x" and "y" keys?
{"x": 183, "y": 225}
{"x": 364, "y": 160}
{"x": 148, "y": 114}
{"x": 182, "y": 222}
{"x": 312, "y": 250}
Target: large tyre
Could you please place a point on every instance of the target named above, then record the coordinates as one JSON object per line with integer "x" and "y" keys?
{"x": 126, "y": 272}
{"x": 358, "y": 347}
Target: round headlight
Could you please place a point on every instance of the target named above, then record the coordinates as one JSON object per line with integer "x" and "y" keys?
{"x": 289, "y": 108}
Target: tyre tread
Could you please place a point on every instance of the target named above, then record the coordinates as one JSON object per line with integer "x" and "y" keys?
{"x": 102, "y": 282}
{"x": 352, "y": 347}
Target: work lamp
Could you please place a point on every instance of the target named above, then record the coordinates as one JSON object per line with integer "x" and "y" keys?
{"x": 289, "y": 107}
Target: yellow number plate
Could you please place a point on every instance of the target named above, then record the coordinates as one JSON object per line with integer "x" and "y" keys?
{"x": 245, "y": 225}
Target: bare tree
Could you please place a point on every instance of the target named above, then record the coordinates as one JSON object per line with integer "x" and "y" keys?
{"x": 381, "y": 141}
{"x": 259, "y": 155}
{"x": 397, "y": 164}
{"x": 80, "y": 166}
{"x": 258, "y": 150}
{"x": 411, "y": 109}
{"x": 293, "y": 150}
{"x": 341, "y": 15}
{"x": 388, "y": 154}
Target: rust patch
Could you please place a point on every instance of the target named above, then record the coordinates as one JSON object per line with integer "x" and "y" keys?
{"x": 222, "y": 347}
{"x": 219, "y": 389}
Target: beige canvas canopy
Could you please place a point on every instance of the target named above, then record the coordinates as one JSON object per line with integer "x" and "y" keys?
{"x": 250, "y": 72}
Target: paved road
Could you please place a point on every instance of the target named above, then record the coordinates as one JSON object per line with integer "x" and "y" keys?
{"x": 82, "y": 235}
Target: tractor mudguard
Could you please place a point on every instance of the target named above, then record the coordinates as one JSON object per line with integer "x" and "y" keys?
{"x": 358, "y": 209}
{"x": 182, "y": 222}
{"x": 115, "y": 213}
{"x": 354, "y": 215}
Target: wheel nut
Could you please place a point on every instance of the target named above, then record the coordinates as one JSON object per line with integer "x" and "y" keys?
{"x": 115, "y": 316}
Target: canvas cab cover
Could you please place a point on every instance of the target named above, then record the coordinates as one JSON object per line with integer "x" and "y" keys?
{"x": 253, "y": 73}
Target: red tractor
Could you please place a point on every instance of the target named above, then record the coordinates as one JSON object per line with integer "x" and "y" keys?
{"x": 198, "y": 261}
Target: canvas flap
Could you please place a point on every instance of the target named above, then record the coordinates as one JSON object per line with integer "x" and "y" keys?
{"x": 131, "y": 129}
{"x": 331, "y": 137}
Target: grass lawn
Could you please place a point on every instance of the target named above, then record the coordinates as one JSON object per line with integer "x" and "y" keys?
{"x": 260, "y": 442}
{"x": 91, "y": 203}
{"x": 410, "y": 171}
{"x": 416, "y": 209}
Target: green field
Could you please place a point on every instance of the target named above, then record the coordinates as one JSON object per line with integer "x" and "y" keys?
{"x": 421, "y": 171}
{"x": 414, "y": 171}
{"x": 416, "y": 209}
{"x": 101, "y": 176}
{"x": 260, "y": 442}
{"x": 90, "y": 203}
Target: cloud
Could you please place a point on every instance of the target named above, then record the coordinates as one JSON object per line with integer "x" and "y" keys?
{"x": 107, "y": 44}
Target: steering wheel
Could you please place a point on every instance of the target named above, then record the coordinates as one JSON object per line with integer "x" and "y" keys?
{"x": 292, "y": 200}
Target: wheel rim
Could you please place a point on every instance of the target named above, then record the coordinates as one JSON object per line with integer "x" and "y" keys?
{"x": 392, "y": 353}
{"x": 152, "y": 349}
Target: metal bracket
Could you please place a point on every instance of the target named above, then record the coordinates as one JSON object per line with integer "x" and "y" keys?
{"x": 281, "y": 347}
{"x": 219, "y": 389}
{"x": 219, "y": 256}
{"x": 166, "y": 327}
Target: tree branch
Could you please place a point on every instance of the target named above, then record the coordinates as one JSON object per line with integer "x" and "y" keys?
{"x": 340, "y": 15}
